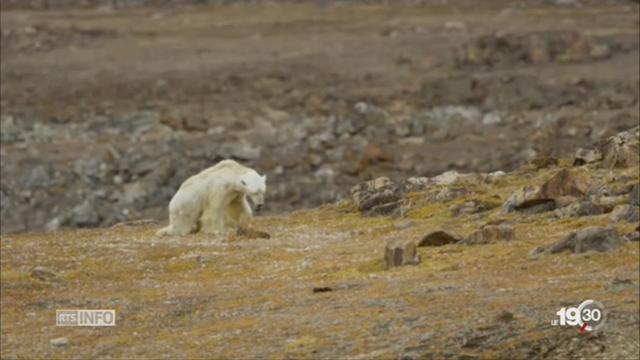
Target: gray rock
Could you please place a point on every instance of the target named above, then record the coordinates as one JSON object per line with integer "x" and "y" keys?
{"x": 633, "y": 236}
{"x": 399, "y": 253}
{"x": 588, "y": 239}
{"x": 584, "y": 156}
{"x": 59, "y": 342}
{"x": 625, "y": 212}
{"x": 85, "y": 214}
{"x": 43, "y": 274}
{"x": 377, "y": 197}
{"x": 582, "y": 208}
{"x": 239, "y": 150}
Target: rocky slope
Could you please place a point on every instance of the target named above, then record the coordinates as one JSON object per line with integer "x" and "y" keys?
{"x": 105, "y": 112}
{"x": 459, "y": 266}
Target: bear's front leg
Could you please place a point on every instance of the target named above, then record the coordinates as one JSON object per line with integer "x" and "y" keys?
{"x": 212, "y": 218}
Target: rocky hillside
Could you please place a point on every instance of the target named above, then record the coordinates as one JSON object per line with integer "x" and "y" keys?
{"x": 104, "y": 112}
{"x": 458, "y": 266}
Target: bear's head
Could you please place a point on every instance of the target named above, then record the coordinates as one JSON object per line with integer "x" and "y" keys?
{"x": 253, "y": 185}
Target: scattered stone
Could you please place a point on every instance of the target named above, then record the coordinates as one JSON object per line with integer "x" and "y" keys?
{"x": 473, "y": 207}
{"x": 588, "y": 239}
{"x": 252, "y": 233}
{"x": 43, "y": 274}
{"x": 584, "y": 156}
{"x": 623, "y": 149}
{"x": 399, "y": 253}
{"x": 377, "y": 197}
{"x": 446, "y": 178}
{"x": 504, "y": 316}
{"x": 582, "y": 208}
{"x": 633, "y": 236}
{"x": 85, "y": 214}
{"x": 531, "y": 48}
{"x": 448, "y": 194}
{"x": 491, "y": 118}
{"x": 540, "y": 199}
{"x": 491, "y": 233}
{"x": 634, "y": 196}
{"x": 322, "y": 289}
{"x": 565, "y": 183}
{"x": 404, "y": 225}
{"x": 139, "y": 222}
{"x": 543, "y": 162}
{"x": 59, "y": 342}
{"x": 608, "y": 203}
{"x": 239, "y": 150}
{"x": 439, "y": 238}
{"x": 625, "y": 212}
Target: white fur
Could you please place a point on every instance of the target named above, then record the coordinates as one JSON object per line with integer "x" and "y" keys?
{"x": 215, "y": 200}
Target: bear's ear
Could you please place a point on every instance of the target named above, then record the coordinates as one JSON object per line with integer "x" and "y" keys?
{"x": 264, "y": 177}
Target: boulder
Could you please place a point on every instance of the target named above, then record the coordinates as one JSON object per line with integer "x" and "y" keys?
{"x": 439, "y": 238}
{"x": 625, "y": 212}
{"x": 562, "y": 184}
{"x": 473, "y": 207}
{"x": 377, "y": 197}
{"x": 582, "y": 208}
{"x": 585, "y": 156}
{"x": 399, "y": 253}
{"x": 588, "y": 239}
{"x": 491, "y": 233}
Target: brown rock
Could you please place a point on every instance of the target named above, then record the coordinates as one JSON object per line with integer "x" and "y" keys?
{"x": 564, "y": 183}
{"x": 399, "y": 253}
{"x": 439, "y": 238}
{"x": 490, "y": 234}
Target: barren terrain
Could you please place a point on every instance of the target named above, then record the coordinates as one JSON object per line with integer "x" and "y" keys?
{"x": 497, "y": 135}
{"x": 105, "y": 112}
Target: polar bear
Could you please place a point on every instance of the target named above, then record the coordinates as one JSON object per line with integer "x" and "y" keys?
{"x": 216, "y": 200}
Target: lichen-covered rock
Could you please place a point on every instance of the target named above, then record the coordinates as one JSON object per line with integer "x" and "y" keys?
{"x": 380, "y": 196}
{"x": 473, "y": 207}
{"x": 564, "y": 183}
{"x": 582, "y": 208}
{"x": 623, "y": 149}
{"x": 588, "y": 239}
{"x": 439, "y": 238}
{"x": 399, "y": 253}
{"x": 625, "y": 212}
{"x": 586, "y": 156}
{"x": 491, "y": 233}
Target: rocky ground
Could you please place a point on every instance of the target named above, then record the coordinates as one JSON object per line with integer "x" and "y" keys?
{"x": 455, "y": 266}
{"x": 105, "y": 112}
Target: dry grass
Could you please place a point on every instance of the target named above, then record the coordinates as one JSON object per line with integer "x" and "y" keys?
{"x": 199, "y": 296}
